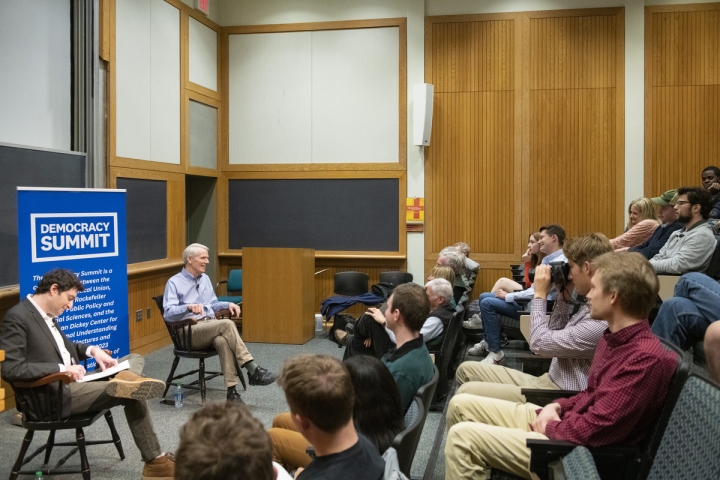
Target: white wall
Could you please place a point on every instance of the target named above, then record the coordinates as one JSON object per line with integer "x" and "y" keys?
{"x": 35, "y": 73}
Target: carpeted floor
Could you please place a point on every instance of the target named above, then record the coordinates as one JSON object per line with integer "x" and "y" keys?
{"x": 264, "y": 402}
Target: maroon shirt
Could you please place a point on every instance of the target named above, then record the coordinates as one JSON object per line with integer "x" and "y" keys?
{"x": 627, "y": 384}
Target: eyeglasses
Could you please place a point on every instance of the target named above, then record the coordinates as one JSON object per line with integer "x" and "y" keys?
{"x": 680, "y": 203}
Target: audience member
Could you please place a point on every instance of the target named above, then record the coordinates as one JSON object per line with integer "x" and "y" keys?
{"x": 190, "y": 295}
{"x": 668, "y": 217}
{"x": 690, "y": 248}
{"x": 627, "y": 385}
{"x": 320, "y": 395}
{"x": 471, "y": 266}
{"x": 370, "y": 337}
{"x": 377, "y": 414}
{"x": 683, "y": 319}
{"x": 442, "y": 271}
{"x": 570, "y": 335}
{"x": 712, "y": 350}
{"x": 36, "y": 347}
{"x": 711, "y": 183}
{"x": 642, "y": 223}
{"x": 502, "y": 302}
{"x": 450, "y": 257}
{"x": 409, "y": 362}
{"x": 225, "y": 441}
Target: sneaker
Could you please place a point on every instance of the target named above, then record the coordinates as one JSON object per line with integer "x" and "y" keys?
{"x": 475, "y": 322}
{"x": 494, "y": 358}
{"x": 129, "y": 385}
{"x": 479, "y": 350}
{"x": 234, "y": 396}
{"x": 262, "y": 376}
{"x": 160, "y": 468}
{"x": 341, "y": 337}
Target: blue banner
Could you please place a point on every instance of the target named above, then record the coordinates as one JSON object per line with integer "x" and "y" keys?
{"x": 82, "y": 230}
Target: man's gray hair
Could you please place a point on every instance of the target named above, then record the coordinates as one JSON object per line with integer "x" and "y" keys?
{"x": 441, "y": 287}
{"x": 463, "y": 248}
{"x": 455, "y": 260}
{"x": 193, "y": 250}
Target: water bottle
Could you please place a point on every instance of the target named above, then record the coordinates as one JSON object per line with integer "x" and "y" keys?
{"x": 318, "y": 323}
{"x": 38, "y": 476}
{"x": 179, "y": 395}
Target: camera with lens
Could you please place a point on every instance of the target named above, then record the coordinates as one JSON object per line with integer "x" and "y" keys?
{"x": 559, "y": 272}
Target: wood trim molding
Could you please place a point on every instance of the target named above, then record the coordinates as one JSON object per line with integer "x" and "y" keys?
{"x": 143, "y": 268}
{"x": 310, "y": 26}
{"x": 194, "y": 87}
{"x": 648, "y": 176}
{"x": 620, "y": 120}
{"x": 124, "y": 162}
{"x": 580, "y": 12}
{"x": 687, "y": 7}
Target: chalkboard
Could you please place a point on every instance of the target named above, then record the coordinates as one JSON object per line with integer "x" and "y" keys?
{"x": 146, "y": 218}
{"x": 325, "y": 214}
{"x": 27, "y": 167}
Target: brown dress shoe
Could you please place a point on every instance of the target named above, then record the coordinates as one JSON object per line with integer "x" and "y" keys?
{"x": 160, "y": 468}
{"x": 130, "y": 385}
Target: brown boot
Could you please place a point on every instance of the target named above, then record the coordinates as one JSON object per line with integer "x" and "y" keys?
{"x": 160, "y": 468}
{"x": 341, "y": 337}
{"x": 129, "y": 385}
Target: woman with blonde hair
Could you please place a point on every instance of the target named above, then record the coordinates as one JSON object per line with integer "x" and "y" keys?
{"x": 642, "y": 222}
{"x": 443, "y": 271}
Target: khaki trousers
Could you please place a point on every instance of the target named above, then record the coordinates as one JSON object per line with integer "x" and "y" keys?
{"x": 487, "y": 432}
{"x": 91, "y": 397}
{"x": 224, "y": 337}
{"x": 499, "y": 382}
{"x": 288, "y": 445}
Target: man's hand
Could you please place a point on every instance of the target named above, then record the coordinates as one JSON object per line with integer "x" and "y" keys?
{"x": 376, "y": 314}
{"x": 234, "y": 309}
{"x": 196, "y": 308}
{"x": 549, "y": 413}
{"x": 78, "y": 371}
{"x": 103, "y": 359}
{"x": 714, "y": 188}
{"x": 367, "y": 342}
{"x": 298, "y": 472}
{"x": 500, "y": 293}
{"x": 542, "y": 281}
{"x": 430, "y": 278}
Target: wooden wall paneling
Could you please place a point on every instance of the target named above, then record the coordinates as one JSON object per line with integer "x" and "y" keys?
{"x": 575, "y": 155}
{"x": 150, "y": 333}
{"x": 472, "y": 62}
{"x": 682, "y": 102}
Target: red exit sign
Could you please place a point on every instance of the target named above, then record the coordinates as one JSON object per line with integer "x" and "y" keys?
{"x": 203, "y": 6}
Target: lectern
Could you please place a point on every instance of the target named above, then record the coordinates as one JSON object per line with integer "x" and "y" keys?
{"x": 278, "y": 295}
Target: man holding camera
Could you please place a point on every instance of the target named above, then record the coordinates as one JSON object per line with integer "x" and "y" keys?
{"x": 492, "y": 305}
{"x": 570, "y": 336}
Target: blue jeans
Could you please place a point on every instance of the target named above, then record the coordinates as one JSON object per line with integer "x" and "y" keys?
{"x": 683, "y": 319}
{"x": 490, "y": 310}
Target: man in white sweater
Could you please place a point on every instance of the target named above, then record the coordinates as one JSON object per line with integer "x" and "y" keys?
{"x": 690, "y": 248}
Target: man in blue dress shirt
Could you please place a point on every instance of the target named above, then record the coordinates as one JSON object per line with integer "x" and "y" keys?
{"x": 190, "y": 294}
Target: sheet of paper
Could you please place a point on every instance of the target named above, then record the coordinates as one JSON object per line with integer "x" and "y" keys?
{"x": 96, "y": 375}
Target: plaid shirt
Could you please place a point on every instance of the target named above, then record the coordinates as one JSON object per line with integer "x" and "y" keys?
{"x": 571, "y": 341}
{"x": 629, "y": 380}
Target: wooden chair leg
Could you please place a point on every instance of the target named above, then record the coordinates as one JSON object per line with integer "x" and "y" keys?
{"x": 114, "y": 433}
{"x": 202, "y": 381}
{"x": 21, "y": 456}
{"x": 49, "y": 446}
{"x": 84, "y": 465}
{"x": 168, "y": 382}
{"x": 238, "y": 370}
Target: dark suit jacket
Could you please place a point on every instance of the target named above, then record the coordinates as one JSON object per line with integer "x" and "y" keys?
{"x": 30, "y": 348}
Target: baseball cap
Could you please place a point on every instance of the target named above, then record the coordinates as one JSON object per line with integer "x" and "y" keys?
{"x": 667, "y": 198}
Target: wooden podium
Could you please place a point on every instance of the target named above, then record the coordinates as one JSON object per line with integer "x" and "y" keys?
{"x": 278, "y": 295}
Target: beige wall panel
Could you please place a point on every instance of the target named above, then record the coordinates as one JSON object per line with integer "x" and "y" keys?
{"x": 470, "y": 191}
{"x": 682, "y": 106}
{"x": 572, "y": 159}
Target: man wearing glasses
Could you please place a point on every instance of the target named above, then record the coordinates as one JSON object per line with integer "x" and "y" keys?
{"x": 690, "y": 248}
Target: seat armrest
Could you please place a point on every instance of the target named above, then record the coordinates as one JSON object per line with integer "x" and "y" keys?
{"x": 543, "y": 397}
{"x": 182, "y": 323}
{"x": 64, "y": 377}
